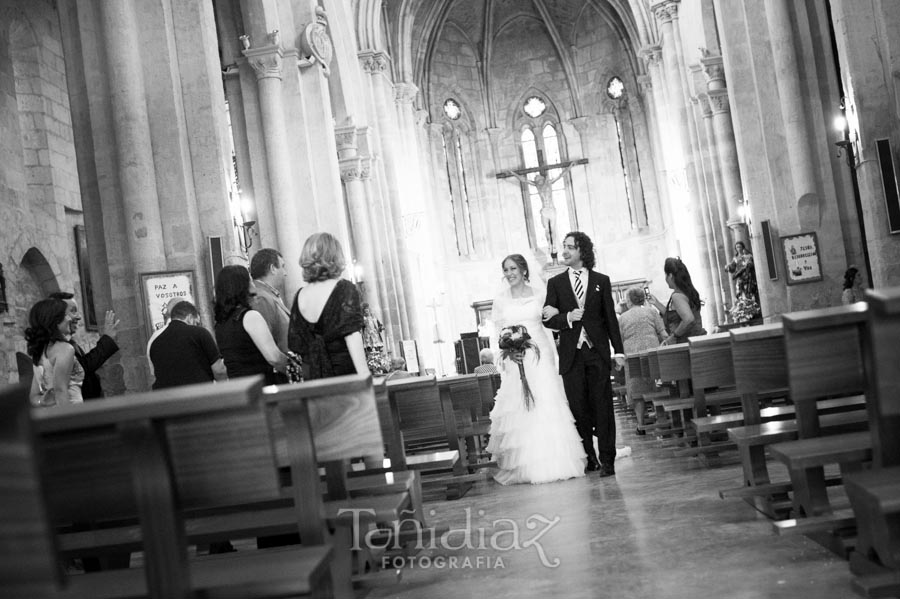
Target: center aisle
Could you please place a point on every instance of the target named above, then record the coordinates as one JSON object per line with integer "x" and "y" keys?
{"x": 657, "y": 529}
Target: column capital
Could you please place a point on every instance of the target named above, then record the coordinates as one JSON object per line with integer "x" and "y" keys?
{"x": 345, "y": 139}
{"x": 718, "y": 101}
{"x": 315, "y": 43}
{"x": 714, "y": 69}
{"x": 665, "y": 11}
{"x": 702, "y": 102}
{"x": 652, "y": 54}
{"x": 405, "y": 93}
{"x": 352, "y": 169}
{"x": 267, "y": 61}
{"x": 645, "y": 84}
{"x": 373, "y": 62}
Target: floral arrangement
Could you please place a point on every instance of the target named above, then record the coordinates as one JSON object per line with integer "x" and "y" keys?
{"x": 514, "y": 342}
{"x": 745, "y": 309}
{"x": 294, "y": 367}
{"x": 378, "y": 361}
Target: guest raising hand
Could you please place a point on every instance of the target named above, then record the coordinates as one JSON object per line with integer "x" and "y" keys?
{"x": 57, "y": 374}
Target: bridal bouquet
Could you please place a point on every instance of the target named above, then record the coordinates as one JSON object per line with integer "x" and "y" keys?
{"x": 514, "y": 342}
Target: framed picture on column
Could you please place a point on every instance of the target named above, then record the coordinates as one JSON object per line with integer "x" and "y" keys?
{"x": 163, "y": 289}
{"x": 84, "y": 273}
{"x": 801, "y": 258}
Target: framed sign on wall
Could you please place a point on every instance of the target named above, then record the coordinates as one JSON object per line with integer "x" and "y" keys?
{"x": 801, "y": 258}
{"x": 162, "y": 289}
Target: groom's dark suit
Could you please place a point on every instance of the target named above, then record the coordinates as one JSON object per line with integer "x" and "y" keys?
{"x": 585, "y": 371}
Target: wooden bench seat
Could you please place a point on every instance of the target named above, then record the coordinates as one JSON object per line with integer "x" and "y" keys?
{"x": 243, "y": 575}
{"x": 885, "y": 584}
{"x": 781, "y": 412}
{"x": 820, "y": 451}
{"x": 816, "y": 524}
{"x": 875, "y": 496}
{"x": 244, "y": 524}
{"x": 777, "y": 431}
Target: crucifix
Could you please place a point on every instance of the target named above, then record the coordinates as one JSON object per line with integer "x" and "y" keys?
{"x": 544, "y": 188}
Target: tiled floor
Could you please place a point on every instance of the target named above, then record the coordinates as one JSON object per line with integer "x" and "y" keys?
{"x": 656, "y": 530}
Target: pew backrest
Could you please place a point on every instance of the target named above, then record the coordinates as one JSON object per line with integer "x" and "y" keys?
{"x": 760, "y": 363}
{"x": 824, "y": 358}
{"x": 28, "y": 561}
{"x": 675, "y": 365}
{"x": 421, "y": 412}
{"x": 882, "y": 341}
{"x": 711, "y": 363}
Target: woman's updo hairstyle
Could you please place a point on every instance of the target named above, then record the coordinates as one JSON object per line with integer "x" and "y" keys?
{"x": 520, "y": 261}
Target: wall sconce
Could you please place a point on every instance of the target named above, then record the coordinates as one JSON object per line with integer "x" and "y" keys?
{"x": 744, "y": 211}
{"x": 244, "y": 238}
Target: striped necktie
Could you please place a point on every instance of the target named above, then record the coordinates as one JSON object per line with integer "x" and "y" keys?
{"x": 579, "y": 288}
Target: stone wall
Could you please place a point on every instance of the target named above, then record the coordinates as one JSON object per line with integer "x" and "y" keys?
{"x": 40, "y": 202}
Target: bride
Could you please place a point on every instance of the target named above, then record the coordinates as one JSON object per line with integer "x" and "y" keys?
{"x": 537, "y": 444}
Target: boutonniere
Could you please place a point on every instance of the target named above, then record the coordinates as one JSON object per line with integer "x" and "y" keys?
{"x": 597, "y": 288}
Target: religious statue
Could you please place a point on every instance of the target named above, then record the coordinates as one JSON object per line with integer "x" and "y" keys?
{"x": 544, "y": 188}
{"x": 746, "y": 291}
{"x": 374, "y": 343}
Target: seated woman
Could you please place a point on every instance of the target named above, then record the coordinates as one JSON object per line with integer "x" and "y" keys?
{"x": 326, "y": 316}
{"x": 852, "y": 291}
{"x": 57, "y": 374}
{"x": 243, "y": 337}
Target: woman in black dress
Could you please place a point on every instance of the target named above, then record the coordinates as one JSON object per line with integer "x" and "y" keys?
{"x": 243, "y": 337}
{"x": 326, "y": 316}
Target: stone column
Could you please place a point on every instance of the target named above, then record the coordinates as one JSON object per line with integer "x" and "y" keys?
{"x": 581, "y": 176}
{"x": 375, "y": 65}
{"x": 726, "y": 148}
{"x": 798, "y": 141}
{"x": 718, "y": 236}
{"x": 267, "y": 63}
{"x": 355, "y": 169}
{"x": 136, "y": 172}
{"x": 653, "y": 87}
{"x": 666, "y": 12}
{"x": 261, "y": 212}
{"x": 138, "y": 198}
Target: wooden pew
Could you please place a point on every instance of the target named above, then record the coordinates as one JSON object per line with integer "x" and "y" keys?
{"x": 464, "y": 394}
{"x": 824, "y": 359}
{"x": 875, "y": 495}
{"x": 429, "y": 443}
{"x": 760, "y": 371}
{"x": 711, "y": 368}
{"x": 125, "y": 457}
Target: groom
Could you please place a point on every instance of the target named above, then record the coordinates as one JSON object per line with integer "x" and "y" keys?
{"x": 586, "y": 321}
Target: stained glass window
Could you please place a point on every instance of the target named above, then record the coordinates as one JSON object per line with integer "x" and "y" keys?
{"x": 452, "y": 109}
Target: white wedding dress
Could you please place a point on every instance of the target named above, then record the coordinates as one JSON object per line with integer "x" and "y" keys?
{"x": 540, "y": 444}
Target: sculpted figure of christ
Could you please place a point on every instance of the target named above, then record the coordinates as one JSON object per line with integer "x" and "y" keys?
{"x": 548, "y": 208}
